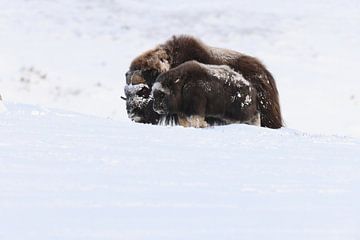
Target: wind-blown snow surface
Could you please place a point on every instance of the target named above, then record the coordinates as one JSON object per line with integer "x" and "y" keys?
{"x": 74, "y": 54}
{"x": 70, "y": 176}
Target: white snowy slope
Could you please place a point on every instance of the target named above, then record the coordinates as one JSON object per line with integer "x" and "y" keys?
{"x": 73, "y": 54}
{"x": 70, "y": 176}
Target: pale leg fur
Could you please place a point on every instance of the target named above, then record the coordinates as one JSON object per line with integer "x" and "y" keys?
{"x": 192, "y": 121}
{"x": 256, "y": 120}
{"x": 183, "y": 121}
{"x": 197, "y": 121}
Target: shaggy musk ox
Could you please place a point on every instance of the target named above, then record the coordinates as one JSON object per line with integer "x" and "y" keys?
{"x": 148, "y": 66}
{"x": 194, "y": 91}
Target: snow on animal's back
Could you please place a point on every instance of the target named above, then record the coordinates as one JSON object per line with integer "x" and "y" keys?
{"x": 234, "y": 80}
{"x": 227, "y": 74}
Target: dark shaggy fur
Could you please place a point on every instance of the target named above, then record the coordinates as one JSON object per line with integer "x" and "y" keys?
{"x": 195, "y": 91}
{"x": 180, "y": 49}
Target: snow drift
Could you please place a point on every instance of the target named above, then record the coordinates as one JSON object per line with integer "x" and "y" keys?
{"x": 70, "y": 176}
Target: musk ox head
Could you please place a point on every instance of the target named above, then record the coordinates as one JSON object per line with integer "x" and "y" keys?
{"x": 139, "y": 79}
{"x": 148, "y": 66}
{"x": 161, "y": 97}
{"x": 139, "y": 104}
{"x": 166, "y": 93}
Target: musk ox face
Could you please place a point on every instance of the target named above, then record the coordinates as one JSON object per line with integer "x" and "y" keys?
{"x": 147, "y": 67}
{"x": 138, "y": 99}
{"x": 161, "y": 98}
{"x": 139, "y": 79}
{"x": 139, "y": 104}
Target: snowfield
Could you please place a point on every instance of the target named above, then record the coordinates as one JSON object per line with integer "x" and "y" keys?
{"x": 73, "y": 166}
{"x": 70, "y": 176}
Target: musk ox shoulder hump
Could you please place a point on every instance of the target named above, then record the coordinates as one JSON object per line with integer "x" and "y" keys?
{"x": 224, "y": 54}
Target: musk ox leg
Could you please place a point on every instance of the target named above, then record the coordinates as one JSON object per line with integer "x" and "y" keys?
{"x": 183, "y": 121}
{"x": 195, "y": 121}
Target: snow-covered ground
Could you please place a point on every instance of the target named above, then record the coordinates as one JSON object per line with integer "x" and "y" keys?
{"x": 67, "y": 175}
{"x": 70, "y": 176}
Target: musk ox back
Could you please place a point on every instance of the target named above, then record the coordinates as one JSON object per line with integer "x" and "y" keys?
{"x": 195, "y": 91}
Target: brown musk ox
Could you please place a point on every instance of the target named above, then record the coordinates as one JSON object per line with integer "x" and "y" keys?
{"x": 195, "y": 91}
{"x": 145, "y": 68}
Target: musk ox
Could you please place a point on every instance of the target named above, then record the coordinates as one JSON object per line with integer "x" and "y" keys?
{"x": 194, "y": 91}
{"x": 145, "y": 68}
